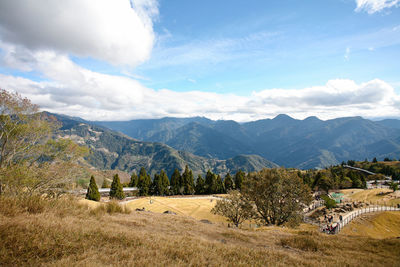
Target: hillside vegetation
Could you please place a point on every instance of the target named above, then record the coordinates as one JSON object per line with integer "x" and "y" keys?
{"x": 304, "y": 144}
{"x": 64, "y": 233}
{"x": 112, "y": 150}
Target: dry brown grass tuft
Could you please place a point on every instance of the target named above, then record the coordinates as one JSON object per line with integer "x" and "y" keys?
{"x": 67, "y": 234}
{"x": 110, "y": 207}
{"x": 305, "y": 243}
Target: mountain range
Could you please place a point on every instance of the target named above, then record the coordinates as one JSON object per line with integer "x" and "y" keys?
{"x": 114, "y": 150}
{"x": 308, "y": 143}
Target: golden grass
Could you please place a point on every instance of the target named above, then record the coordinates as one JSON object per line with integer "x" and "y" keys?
{"x": 380, "y": 196}
{"x": 376, "y": 225}
{"x": 68, "y": 234}
{"x": 198, "y": 208}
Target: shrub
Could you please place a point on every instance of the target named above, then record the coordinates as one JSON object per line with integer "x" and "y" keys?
{"x": 329, "y": 202}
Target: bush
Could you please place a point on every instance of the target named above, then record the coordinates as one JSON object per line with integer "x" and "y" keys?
{"x": 329, "y": 202}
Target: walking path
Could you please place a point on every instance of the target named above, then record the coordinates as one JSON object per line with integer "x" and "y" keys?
{"x": 338, "y": 225}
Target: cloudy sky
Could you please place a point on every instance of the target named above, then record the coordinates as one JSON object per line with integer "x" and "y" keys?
{"x": 226, "y": 59}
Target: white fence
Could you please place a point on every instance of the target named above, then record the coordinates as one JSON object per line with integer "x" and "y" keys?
{"x": 314, "y": 205}
{"x": 346, "y": 219}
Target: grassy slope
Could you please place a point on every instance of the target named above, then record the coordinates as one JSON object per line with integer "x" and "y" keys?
{"x": 375, "y": 225}
{"x": 378, "y": 195}
{"x": 70, "y": 235}
{"x": 198, "y": 208}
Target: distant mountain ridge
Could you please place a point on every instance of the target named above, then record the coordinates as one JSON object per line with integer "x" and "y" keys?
{"x": 289, "y": 142}
{"x": 113, "y": 150}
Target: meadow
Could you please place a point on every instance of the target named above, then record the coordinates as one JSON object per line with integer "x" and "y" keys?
{"x": 69, "y": 233}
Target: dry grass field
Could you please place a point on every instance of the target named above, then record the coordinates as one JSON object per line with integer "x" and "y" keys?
{"x": 198, "y": 208}
{"x": 377, "y": 195}
{"x": 66, "y": 233}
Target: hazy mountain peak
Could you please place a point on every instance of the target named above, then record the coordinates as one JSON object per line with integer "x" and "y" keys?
{"x": 312, "y": 118}
{"x": 283, "y": 117}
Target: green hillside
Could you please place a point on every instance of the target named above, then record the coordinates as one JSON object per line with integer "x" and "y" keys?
{"x": 112, "y": 150}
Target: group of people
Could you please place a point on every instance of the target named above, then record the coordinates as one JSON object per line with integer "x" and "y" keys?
{"x": 329, "y": 228}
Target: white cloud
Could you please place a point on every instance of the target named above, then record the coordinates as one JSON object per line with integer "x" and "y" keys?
{"x": 373, "y": 6}
{"x": 114, "y": 32}
{"x": 108, "y": 30}
{"x": 73, "y": 90}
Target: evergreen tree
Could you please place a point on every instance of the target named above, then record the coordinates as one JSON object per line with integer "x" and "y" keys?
{"x": 155, "y": 185}
{"x": 93, "y": 191}
{"x": 116, "y": 190}
{"x": 220, "y": 189}
{"x": 175, "y": 182}
{"x": 144, "y": 182}
{"x": 200, "y": 186}
{"x": 239, "y": 178}
{"x": 374, "y": 160}
{"x": 228, "y": 182}
{"x": 188, "y": 181}
{"x": 134, "y": 180}
{"x": 210, "y": 183}
{"x": 105, "y": 184}
{"x": 164, "y": 183}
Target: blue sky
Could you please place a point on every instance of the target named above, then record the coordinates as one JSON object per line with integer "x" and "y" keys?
{"x": 241, "y": 60}
{"x": 270, "y": 44}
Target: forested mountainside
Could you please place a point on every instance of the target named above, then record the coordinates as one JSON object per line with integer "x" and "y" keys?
{"x": 307, "y": 143}
{"x": 113, "y": 150}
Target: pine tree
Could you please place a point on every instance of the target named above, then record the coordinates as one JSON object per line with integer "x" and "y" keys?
{"x": 219, "y": 185}
{"x": 93, "y": 191}
{"x": 228, "y": 182}
{"x": 164, "y": 182}
{"x": 200, "y": 185}
{"x": 134, "y": 180}
{"x": 175, "y": 182}
{"x": 144, "y": 182}
{"x": 239, "y": 178}
{"x": 116, "y": 190}
{"x": 105, "y": 184}
{"x": 156, "y": 185}
{"x": 210, "y": 183}
{"x": 188, "y": 181}
{"x": 374, "y": 160}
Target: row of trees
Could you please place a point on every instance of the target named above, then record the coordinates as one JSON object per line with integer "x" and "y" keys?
{"x": 116, "y": 190}
{"x": 183, "y": 184}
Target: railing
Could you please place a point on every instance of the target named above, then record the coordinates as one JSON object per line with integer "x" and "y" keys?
{"x": 314, "y": 205}
{"x": 346, "y": 219}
